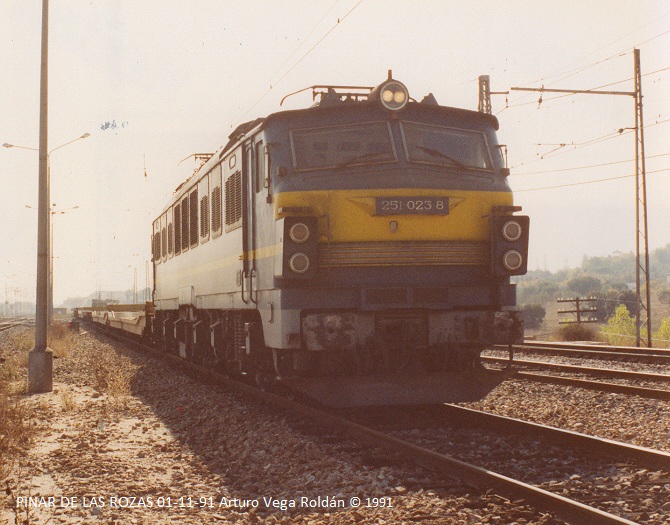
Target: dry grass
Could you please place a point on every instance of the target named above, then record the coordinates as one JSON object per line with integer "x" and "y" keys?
{"x": 67, "y": 400}
{"x": 15, "y": 429}
{"x": 113, "y": 377}
{"x": 59, "y": 338}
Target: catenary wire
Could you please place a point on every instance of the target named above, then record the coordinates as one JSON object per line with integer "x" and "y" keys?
{"x": 587, "y": 182}
{"x": 589, "y": 166}
{"x": 337, "y": 24}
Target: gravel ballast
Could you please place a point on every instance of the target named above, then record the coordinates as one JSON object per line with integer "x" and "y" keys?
{"x": 137, "y": 441}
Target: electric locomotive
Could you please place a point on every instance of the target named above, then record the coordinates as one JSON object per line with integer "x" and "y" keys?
{"x": 359, "y": 250}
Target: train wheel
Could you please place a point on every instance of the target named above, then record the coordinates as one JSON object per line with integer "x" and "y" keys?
{"x": 264, "y": 377}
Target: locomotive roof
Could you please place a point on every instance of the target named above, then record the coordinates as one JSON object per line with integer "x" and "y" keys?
{"x": 346, "y": 107}
{"x": 329, "y": 110}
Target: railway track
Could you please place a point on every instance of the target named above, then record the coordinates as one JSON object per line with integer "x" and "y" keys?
{"x": 645, "y": 384}
{"x": 659, "y": 356}
{"x": 483, "y": 479}
{"x": 11, "y": 323}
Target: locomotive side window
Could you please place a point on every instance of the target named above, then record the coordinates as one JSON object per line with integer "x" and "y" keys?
{"x": 216, "y": 201}
{"x": 234, "y": 201}
{"x": 177, "y": 229}
{"x": 184, "y": 224}
{"x": 443, "y": 146}
{"x": 193, "y": 217}
{"x": 341, "y": 146}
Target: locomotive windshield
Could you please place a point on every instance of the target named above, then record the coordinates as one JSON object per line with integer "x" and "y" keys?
{"x": 372, "y": 143}
{"x": 445, "y": 146}
{"x": 340, "y": 146}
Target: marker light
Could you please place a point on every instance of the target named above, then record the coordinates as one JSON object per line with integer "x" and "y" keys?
{"x": 512, "y": 260}
{"x": 511, "y": 230}
{"x": 299, "y": 232}
{"x": 299, "y": 263}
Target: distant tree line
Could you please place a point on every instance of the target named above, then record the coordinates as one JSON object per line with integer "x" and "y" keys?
{"x": 609, "y": 279}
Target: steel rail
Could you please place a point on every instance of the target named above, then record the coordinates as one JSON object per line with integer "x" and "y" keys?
{"x": 572, "y": 511}
{"x": 616, "y": 388}
{"x": 604, "y": 372}
{"x": 647, "y": 457}
{"x": 649, "y": 356}
{"x": 584, "y": 346}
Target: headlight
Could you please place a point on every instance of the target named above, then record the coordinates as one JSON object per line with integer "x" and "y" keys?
{"x": 511, "y": 230}
{"x": 512, "y": 260}
{"x": 299, "y": 263}
{"x": 393, "y": 95}
{"x": 299, "y": 232}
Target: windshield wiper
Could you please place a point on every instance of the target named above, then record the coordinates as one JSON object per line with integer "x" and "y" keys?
{"x": 437, "y": 153}
{"x": 355, "y": 160}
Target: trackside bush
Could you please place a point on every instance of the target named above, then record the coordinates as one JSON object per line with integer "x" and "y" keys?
{"x": 577, "y": 332}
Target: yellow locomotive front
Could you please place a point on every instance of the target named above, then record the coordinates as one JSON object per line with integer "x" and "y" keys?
{"x": 395, "y": 241}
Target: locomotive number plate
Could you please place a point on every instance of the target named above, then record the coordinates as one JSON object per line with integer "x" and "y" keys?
{"x": 412, "y": 206}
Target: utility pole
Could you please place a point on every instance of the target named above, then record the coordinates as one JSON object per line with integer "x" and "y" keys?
{"x": 642, "y": 261}
{"x": 641, "y": 237}
{"x": 40, "y": 358}
{"x": 578, "y": 310}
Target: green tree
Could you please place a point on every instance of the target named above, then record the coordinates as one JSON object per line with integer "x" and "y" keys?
{"x": 662, "y": 336}
{"x": 620, "y": 329}
{"x": 533, "y": 315}
{"x": 608, "y": 301}
{"x": 584, "y": 285}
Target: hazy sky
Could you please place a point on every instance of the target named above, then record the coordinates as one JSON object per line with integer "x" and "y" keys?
{"x": 157, "y": 81}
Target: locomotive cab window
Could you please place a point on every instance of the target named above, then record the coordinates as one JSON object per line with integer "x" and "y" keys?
{"x": 342, "y": 146}
{"x": 460, "y": 148}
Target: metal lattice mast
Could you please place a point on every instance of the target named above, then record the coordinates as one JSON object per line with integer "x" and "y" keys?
{"x": 484, "y": 94}
{"x": 641, "y": 244}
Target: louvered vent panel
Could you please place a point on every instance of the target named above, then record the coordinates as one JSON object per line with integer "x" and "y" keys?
{"x": 170, "y": 234}
{"x": 234, "y": 201}
{"x": 193, "y": 207}
{"x": 403, "y": 254}
{"x": 204, "y": 217}
{"x": 216, "y": 209}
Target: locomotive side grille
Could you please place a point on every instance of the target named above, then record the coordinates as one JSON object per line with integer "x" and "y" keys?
{"x": 193, "y": 218}
{"x": 216, "y": 209}
{"x": 427, "y": 253}
{"x": 234, "y": 201}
